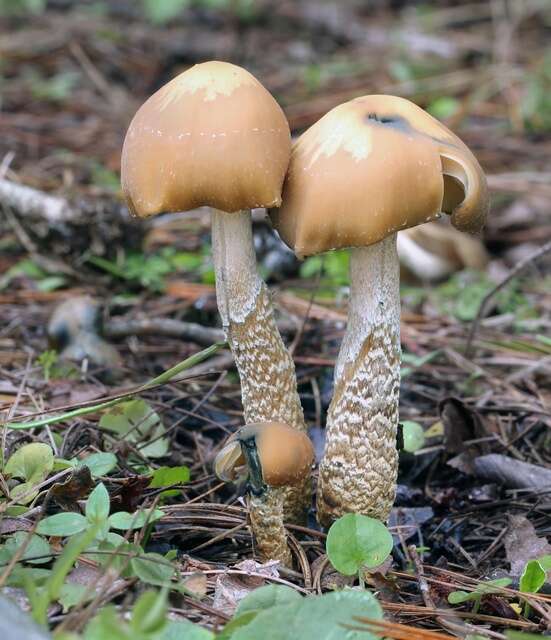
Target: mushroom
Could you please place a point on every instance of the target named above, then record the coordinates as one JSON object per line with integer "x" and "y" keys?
{"x": 214, "y": 136}
{"x": 435, "y": 251}
{"x": 75, "y": 329}
{"x": 269, "y": 456}
{"x": 367, "y": 169}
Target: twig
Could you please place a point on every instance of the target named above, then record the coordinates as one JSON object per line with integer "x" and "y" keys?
{"x": 164, "y": 327}
{"x": 31, "y": 202}
{"x": 534, "y": 257}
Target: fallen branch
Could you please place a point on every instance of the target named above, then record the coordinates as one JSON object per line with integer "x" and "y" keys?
{"x": 117, "y": 328}
{"x": 33, "y": 203}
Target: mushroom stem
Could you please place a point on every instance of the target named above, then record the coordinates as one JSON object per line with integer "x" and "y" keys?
{"x": 265, "y": 367}
{"x": 359, "y": 468}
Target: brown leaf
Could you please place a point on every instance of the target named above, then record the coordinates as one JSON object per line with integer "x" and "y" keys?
{"x": 129, "y": 495}
{"x": 460, "y": 425}
{"x": 523, "y": 544}
{"x": 76, "y": 487}
{"x": 197, "y": 584}
{"x": 230, "y": 589}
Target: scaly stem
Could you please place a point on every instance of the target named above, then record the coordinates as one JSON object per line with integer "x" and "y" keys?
{"x": 265, "y": 367}
{"x": 360, "y": 463}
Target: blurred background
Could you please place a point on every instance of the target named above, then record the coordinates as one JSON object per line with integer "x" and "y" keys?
{"x": 72, "y": 74}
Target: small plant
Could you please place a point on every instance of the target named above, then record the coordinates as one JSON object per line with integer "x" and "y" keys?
{"x": 356, "y": 542}
{"x": 481, "y": 590}
{"x": 534, "y": 577}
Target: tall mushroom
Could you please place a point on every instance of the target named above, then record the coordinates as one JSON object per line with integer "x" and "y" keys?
{"x": 267, "y": 455}
{"x": 367, "y": 169}
{"x": 214, "y": 136}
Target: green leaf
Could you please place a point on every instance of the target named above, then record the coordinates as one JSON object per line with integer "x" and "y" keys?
{"x": 24, "y": 493}
{"x": 72, "y": 593}
{"x": 545, "y": 562}
{"x": 443, "y": 107}
{"x": 271, "y": 595}
{"x": 62, "y": 524}
{"x": 124, "y": 520}
{"x": 533, "y": 577}
{"x": 160, "y": 12}
{"x": 313, "y": 618}
{"x": 37, "y": 551}
{"x": 107, "y": 626}
{"x": 152, "y": 568}
{"x": 520, "y": 635}
{"x": 166, "y": 476}
{"x": 138, "y": 423}
{"x": 355, "y": 541}
{"x": 97, "y": 505}
{"x": 414, "y": 436}
{"x": 149, "y": 612}
{"x": 493, "y": 586}
{"x": 185, "y": 630}
{"x": 32, "y": 462}
{"x": 458, "y": 597}
{"x": 100, "y": 464}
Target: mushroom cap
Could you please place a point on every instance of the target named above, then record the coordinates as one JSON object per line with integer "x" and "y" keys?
{"x": 212, "y": 136}
{"x": 371, "y": 167}
{"x": 80, "y": 314}
{"x": 286, "y": 455}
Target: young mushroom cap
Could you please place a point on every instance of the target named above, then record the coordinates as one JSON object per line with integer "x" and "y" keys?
{"x": 285, "y": 454}
{"x": 436, "y": 250}
{"x": 371, "y": 167}
{"x": 75, "y": 330}
{"x": 212, "y": 136}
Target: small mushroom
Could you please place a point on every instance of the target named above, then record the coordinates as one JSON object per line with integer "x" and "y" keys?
{"x": 435, "y": 251}
{"x": 75, "y": 329}
{"x": 268, "y": 456}
{"x": 368, "y": 169}
{"x": 214, "y": 136}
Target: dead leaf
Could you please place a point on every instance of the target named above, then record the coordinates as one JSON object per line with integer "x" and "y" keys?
{"x": 523, "y": 544}
{"x": 230, "y": 589}
{"x": 197, "y": 584}
{"x": 129, "y": 494}
{"x": 460, "y": 425}
{"x": 76, "y": 487}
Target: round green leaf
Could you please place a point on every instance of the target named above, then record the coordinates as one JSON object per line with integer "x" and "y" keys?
{"x": 414, "y": 436}
{"x": 268, "y": 596}
{"x": 313, "y": 618}
{"x": 100, "y": 464}
{"x": 355, "y": 541}
{"x": 152, "y": 568}
{"x": 124, "y": 520}
{"x": 32, "y": 462}
{"x": 37, "y": 551}
{"x": 533, "y": 577}
{"x": 185, "y": 630}
{"x": 62, "y": 524}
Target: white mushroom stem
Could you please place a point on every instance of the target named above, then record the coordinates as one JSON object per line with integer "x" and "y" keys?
{"x": 266, "y": 369}
{"x": 359, "y": 468}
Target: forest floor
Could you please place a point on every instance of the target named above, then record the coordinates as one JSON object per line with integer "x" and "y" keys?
{"x": 71, "y": 79}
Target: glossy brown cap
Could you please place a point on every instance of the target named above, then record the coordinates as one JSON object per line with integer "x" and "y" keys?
{"x": 373, "y": 166}
{"x": 286, "y": 455}
{"x": 213, "y": 136}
